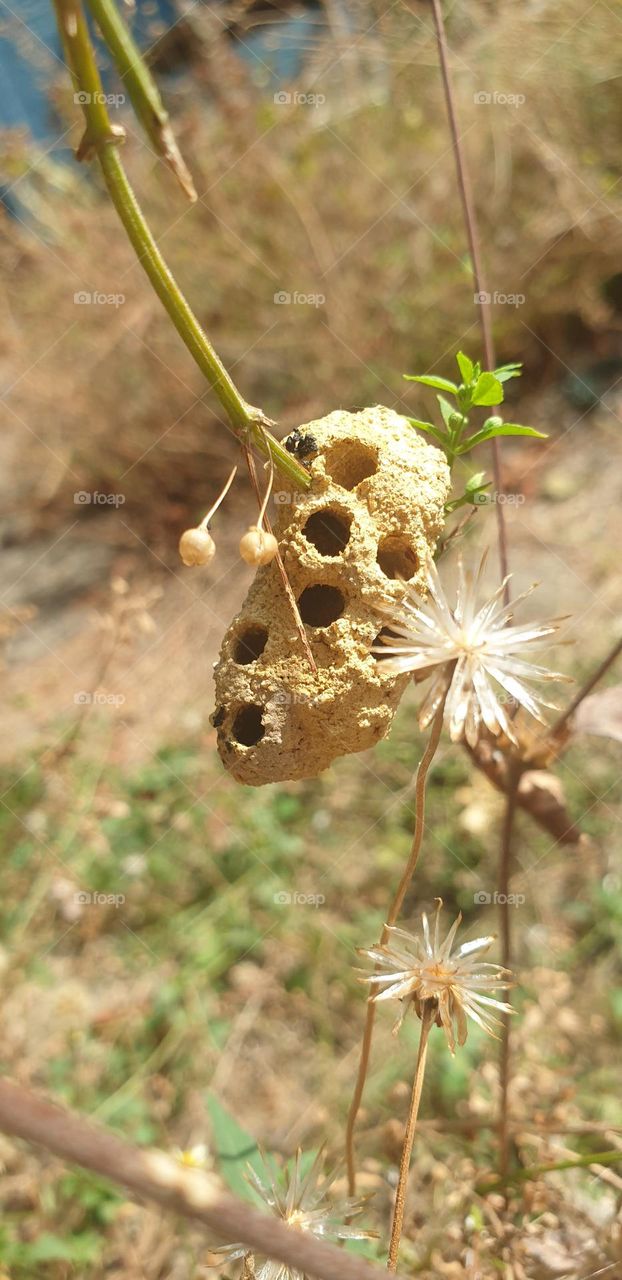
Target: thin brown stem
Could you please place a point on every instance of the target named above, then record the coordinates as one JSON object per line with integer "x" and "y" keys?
{"x": 479, "y": 279}
{"x": 585, "y": 689}
{"x": 189, "y": 1193}
{"x": 265, "y": 522}
{"x": 505, "y": 929}
{"x": 393, "y": 913}
{"x": 409, "y": 1137}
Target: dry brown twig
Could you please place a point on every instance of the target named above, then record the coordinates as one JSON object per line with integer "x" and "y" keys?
{"x": 188, "y": 1192}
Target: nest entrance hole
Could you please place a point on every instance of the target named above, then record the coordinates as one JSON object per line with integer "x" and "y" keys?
{"x": 384, "y": 635}
{"x": 320, "y": 605}
{"x": 348, "y": 462}
{"x": 328, "y": 530}
{"x": 247, "y": 728}
{"x": 249, "y": 644}
{"x": 396, "y": 558}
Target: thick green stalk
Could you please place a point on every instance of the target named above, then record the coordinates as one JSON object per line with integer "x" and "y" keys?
{"x": 102, "y": 138}
{"x": 142, "y": 89}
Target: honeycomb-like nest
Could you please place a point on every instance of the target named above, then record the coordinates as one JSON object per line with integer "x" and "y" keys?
{"x": 370, "y": 519}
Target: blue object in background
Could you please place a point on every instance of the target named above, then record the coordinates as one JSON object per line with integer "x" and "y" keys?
{"x": 31, "y": 61}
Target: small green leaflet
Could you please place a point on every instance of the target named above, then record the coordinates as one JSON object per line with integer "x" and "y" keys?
{"x": 487, "y": 390}
{"x": 440, "y": 384}
{"x": 507, "y": 371}
{"x": 466, "y": 366}
{"x": 429, "y": 428}
{"x": 235, "y": 1150}
{"x": 508, "y": 429}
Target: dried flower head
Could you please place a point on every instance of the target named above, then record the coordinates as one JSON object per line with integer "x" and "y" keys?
{"x": 196, "y": 546}
{"x": 469, "y": 649}
{"x": 301, "y": 1200}
{"x": 257, "y": 546}
{"x": 418, "y": 969}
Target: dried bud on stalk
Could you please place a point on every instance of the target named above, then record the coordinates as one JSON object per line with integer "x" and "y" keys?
{"x": 258, "y": 547}
{"x": 196, "y": 546}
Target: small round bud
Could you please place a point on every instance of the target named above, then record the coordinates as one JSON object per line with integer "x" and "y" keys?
{"x": 257, "y": 546}
{"x": 196, "y": 546}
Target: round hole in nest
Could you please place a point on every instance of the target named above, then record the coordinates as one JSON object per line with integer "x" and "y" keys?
{"x": 349, "y": 461}
{"x": 250, "y": 643}
{"x": 328, "y": 530}
{"x": 396, "y": 558}
{"x": 320, "y": 605}
{"x": 247, "y": 727}
{"x": 384, "y": 635}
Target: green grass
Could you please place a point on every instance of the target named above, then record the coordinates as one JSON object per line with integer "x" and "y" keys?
{"x": 199, "y": 862}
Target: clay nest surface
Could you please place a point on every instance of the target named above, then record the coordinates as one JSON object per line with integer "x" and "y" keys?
{"x": 366, "y": 525}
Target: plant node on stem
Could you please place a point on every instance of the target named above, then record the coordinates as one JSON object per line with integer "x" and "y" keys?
{"x": 102, "y": 139}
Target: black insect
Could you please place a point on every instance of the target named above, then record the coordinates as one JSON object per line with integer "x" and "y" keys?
{"x": 302, "y": 444}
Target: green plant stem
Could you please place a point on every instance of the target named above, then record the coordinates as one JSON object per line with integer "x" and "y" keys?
{"x": 103, "y": 139}
{"x": 537, "y": 1170}
{"x": 141, "y": 87}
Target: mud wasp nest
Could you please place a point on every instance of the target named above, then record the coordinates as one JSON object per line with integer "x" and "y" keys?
{"x": 372, "y": 514}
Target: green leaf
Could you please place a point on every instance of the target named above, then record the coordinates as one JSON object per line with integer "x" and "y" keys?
{"x": 507, "y": 371}
{"x": 508, "y": 429}
{"x": 441, "y": 384}
{"x": 473, "y": 488}
{"x": 235, "y": 1148}
{"x": 447, "y": 411}
{"x": 477, "y": 481}
{"x": 422, "y": 426}
{"x": 515, "y": 429}
{"x": 77, "y": 1249}
{"x": 466, "y": 367}
{"x": 487, "y": 390}
{"x": 430, "y": 429}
